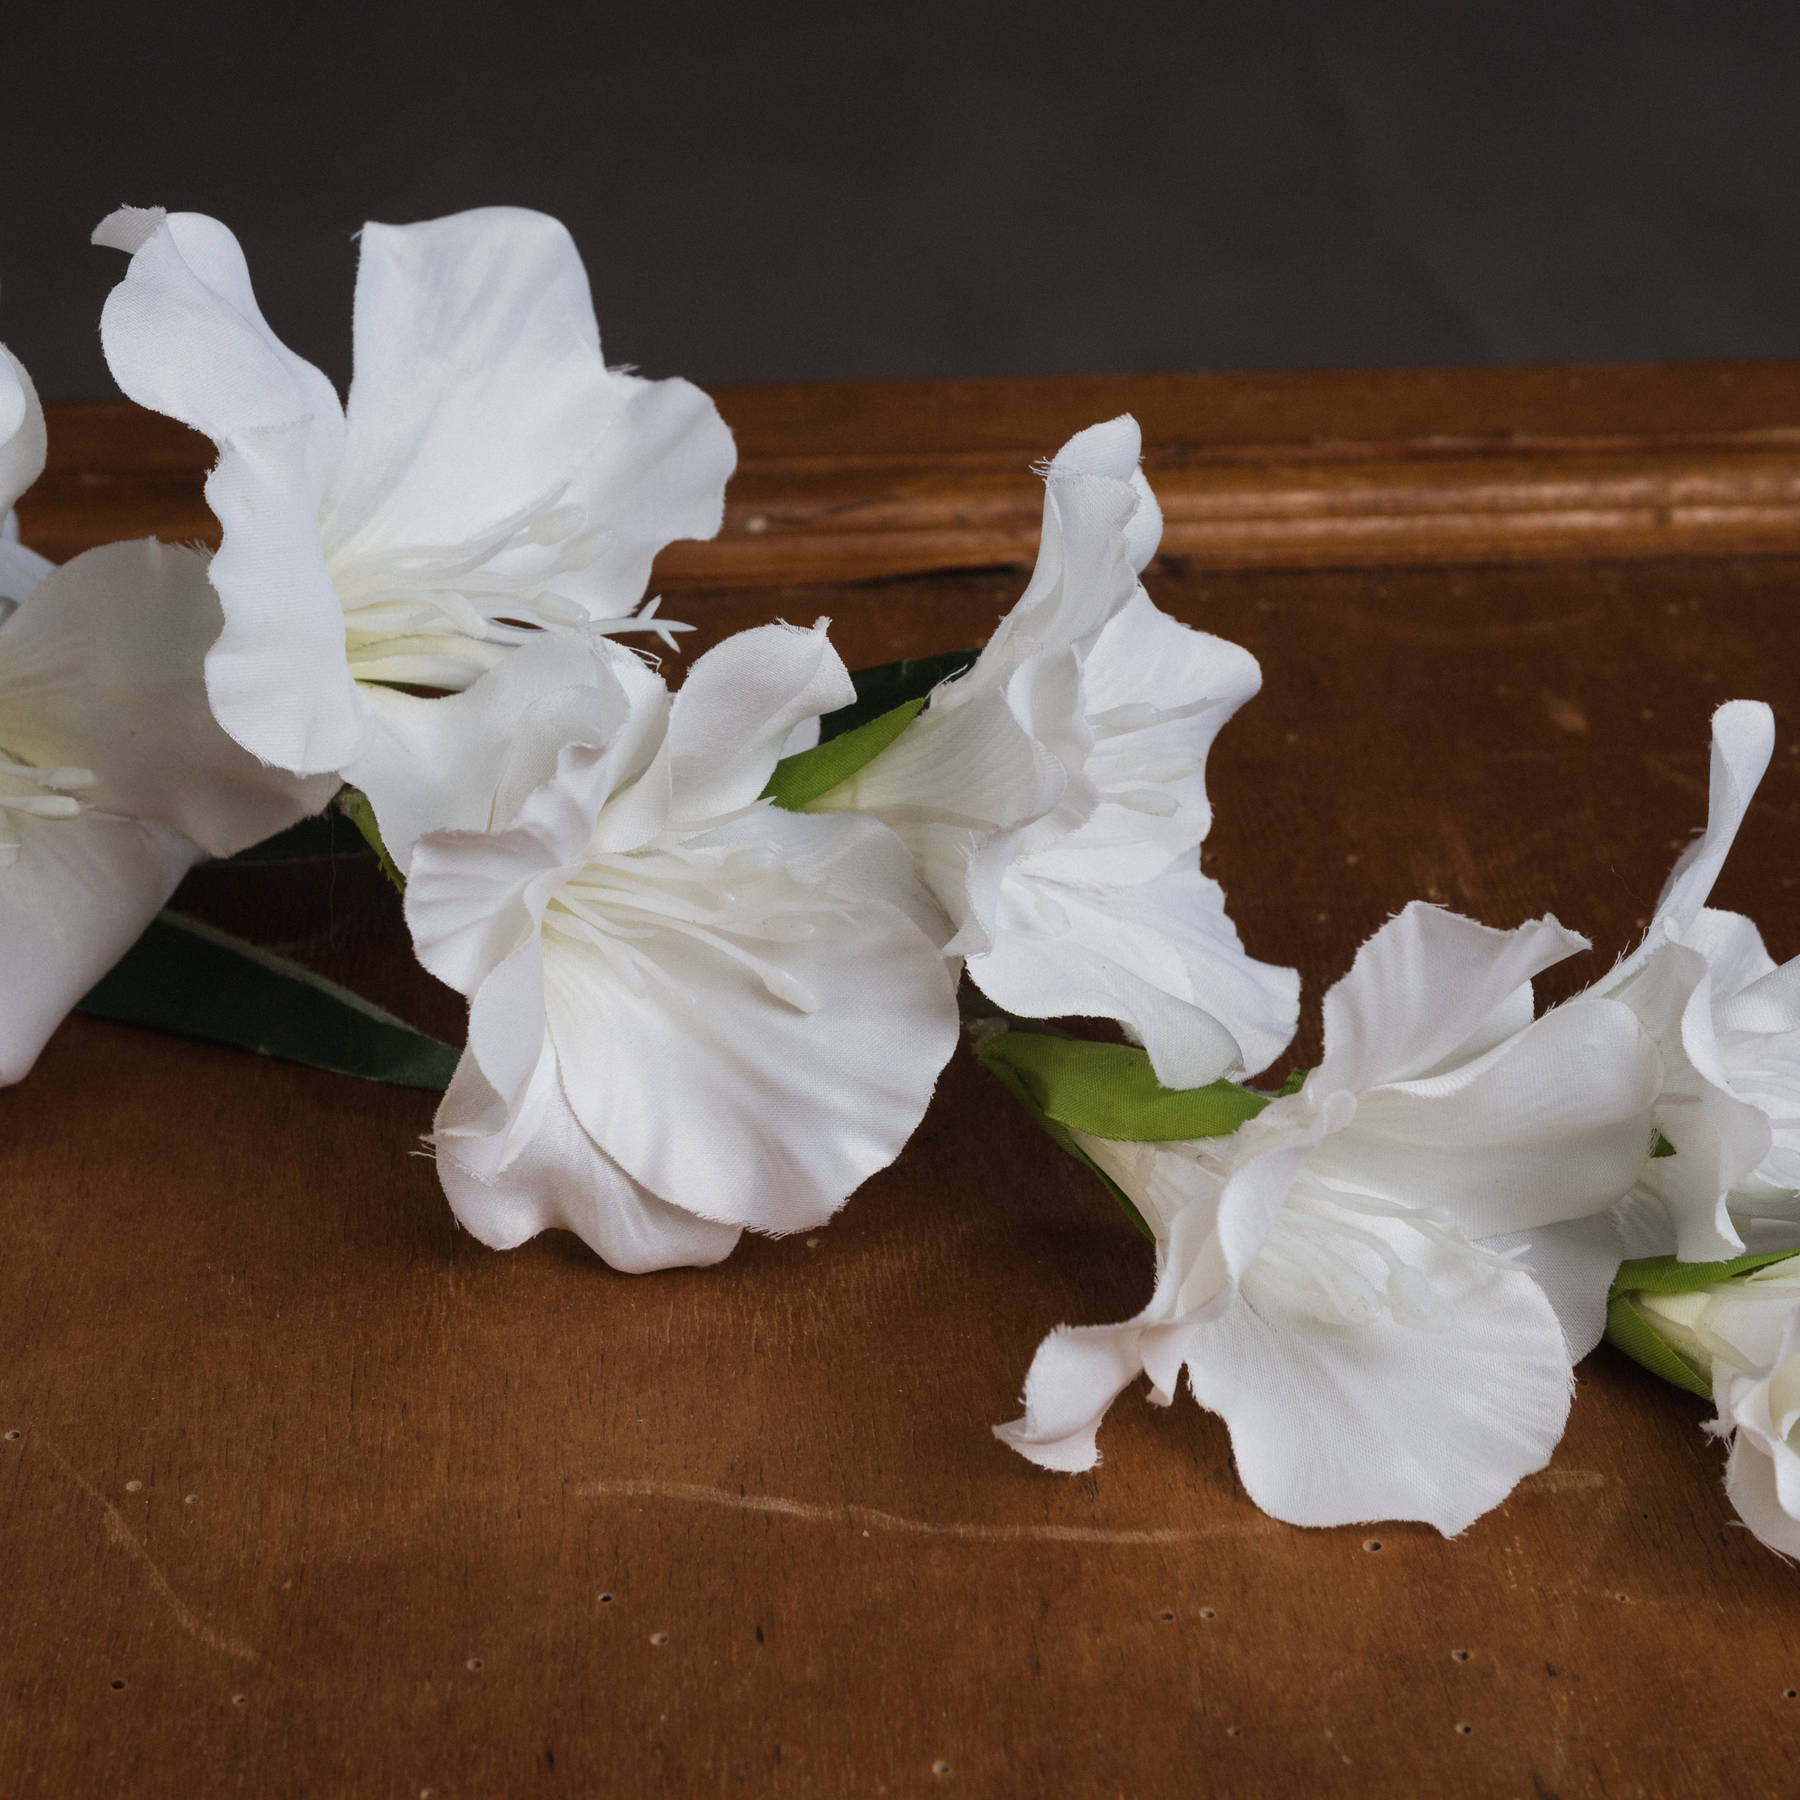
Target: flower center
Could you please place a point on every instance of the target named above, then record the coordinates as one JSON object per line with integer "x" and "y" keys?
{"x": 28, "y": 792}
{"x": 1341, "y": 1258}
{"x": 438, "y": 615}
{"x": 736, "y": 903}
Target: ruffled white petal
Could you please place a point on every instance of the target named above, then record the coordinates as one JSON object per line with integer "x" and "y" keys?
{"x": 22, "y": 439}
{"x": 1574, "y": 1263}
{"x": 101, "y": 670}
{"x": 1753, "y": 1485}
{"x": 802, "y": 1030}
{"x": 736, "y": 709}
{"x": 1161, "y": 957}
{"x": 1425, "y": 987}
{"x": 481, "y": 396}
{"x": 1554, "y": 1124}
{"x": 559, "y": 1180}
{"x": 1743, "y": 739}
{"x": 74, "y": 900}
{"x": 183, "y": 335}
{"x": 1388, "y": 1421}
{"x": 469, "y": 761}
{"x": 1077, "y": 1373}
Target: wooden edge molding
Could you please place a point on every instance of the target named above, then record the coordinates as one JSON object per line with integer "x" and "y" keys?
{"x": 858, "y": 481}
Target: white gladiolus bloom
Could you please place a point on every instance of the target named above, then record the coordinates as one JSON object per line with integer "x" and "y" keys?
{"x": 114, "y": 777}
{"x": 1727, "y": 1021}
{"x": 690, "y": 1012}
{"x": 1747, "y": 1331}
{"x": 1327, "y": 1273}
{"x": 489, "y": 475}
{"x": 1054, "y": 797}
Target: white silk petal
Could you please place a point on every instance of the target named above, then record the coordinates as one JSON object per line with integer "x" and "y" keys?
{"x": 561, "y": 1180}
{"x": 20, "y": 569}
{"x": 469, "y": 761}
{"x": 736, "y": 709}
{"x": 76, "y": 898}
{"x": 1161, "y": 957}
{"x": 470, "y": 900}
{"x": 481, "y": 395}
{"x": 1114, "y": 448}
{"x": 1077, "y": 1373}
{"x": 1422, "y": 986}
{"x": 277, "y": 677}
{"x": 22, "y": 437}
{"x": 1386, "y": 1421}
{"x": 101, "y": 669}
{"x": 183, "y": 335}
{"x": 1743, "y": 739}
{"x": 802, "y": 1060}
{"x": 1753, "y": 1486}
{"x": 1555, "y": 1124}
{"x": 1574, "y": 1263}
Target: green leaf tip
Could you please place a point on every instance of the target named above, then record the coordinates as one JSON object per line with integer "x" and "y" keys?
{"x": 353, "y": 803}
{"x": 810, "y": 774}
{"x": 193, "y": 980}
{"x": 1110, "y": 1090}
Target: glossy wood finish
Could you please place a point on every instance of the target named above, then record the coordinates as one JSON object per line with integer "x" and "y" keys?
{"x": 312, "y": 1495}
{"x": 858, "y": 481}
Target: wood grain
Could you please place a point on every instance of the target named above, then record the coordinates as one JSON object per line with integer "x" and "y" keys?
{"x": 1349, "y": 469}
{"x": 313, "y": 1495}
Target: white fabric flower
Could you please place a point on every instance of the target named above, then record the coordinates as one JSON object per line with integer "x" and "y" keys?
{"x": 114, "y": 777}
{"x": 1727, "y": 1021}
{"x": 1747, "y": 1331}
{"x": 22, "y": 447}
{"x": 1326, "y": 1273}
{"x": 489, "y": 475}
{"x": 691, "y": 1012}
{"x": 1054, "y": 797}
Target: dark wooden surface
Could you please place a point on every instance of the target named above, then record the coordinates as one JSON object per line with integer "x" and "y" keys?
{"x": 310, "y": 1494}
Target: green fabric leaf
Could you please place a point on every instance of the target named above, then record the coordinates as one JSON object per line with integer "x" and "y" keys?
{"x": 1629, "y": 1329}
{"x": 888, "y": 685}
{"x": 329, "y": 833}
{"x": 191, "y": 979}
{"x": 354, "y": 804}
{"x": 803, "y": 777}
{"x": 1667, "y": 1275}
{"x": 1066, "y": 1140}
{"x": 1110, "y": 1090}
{"x": 1660, "y": 1145}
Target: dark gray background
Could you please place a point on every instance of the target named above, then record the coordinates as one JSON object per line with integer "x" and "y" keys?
{"x": 836, "y": 190}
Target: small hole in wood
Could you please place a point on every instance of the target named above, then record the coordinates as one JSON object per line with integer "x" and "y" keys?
{"x": 134, "y": 1487}
{"x": 12, "y": 1437}
{"x": 659, "y": 1637}
{"x": 1165, "y": 1616}
{"x": 1235, "y": 1731}
{"x": 117, "y": 1685}
{"x": 1464, "y": 1730}
{"x": 606, "y": 1599}
{"x": 1206, "y": 1612}
{"x": 475, "y": 1662}
{"x": 940, "y": 1768}
{"x": 1618, "y": 1596}
{"x": 1459, "y": 1656}
{"x": 190, "y": 1500}
{"x": 1790, "y": 1694}
{"x": 1371, "y": 1543}
{"x": 240, "y": 1699}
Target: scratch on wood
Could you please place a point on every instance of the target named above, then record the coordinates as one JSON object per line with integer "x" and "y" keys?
{"x": 120, "y": 1533}
{"x": 1563, "y": 1481}
{"x": 870, "y": 1518}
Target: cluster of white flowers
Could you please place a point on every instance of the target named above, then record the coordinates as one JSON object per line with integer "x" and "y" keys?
{"x": 695, "y": 1012}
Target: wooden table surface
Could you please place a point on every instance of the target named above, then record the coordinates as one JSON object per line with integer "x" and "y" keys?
{"x": 303, "y": 1492}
